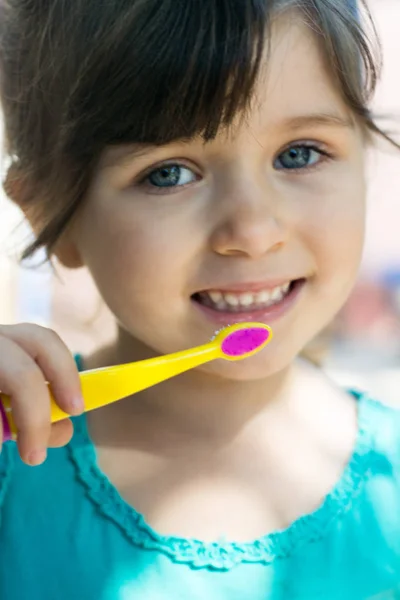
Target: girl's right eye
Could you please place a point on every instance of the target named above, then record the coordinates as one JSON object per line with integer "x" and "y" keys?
{"x": 169, "y": 176}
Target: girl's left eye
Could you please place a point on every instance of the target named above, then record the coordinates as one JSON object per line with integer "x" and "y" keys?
{"x": 300, "y": 157}
{"x": 170, "y": 176}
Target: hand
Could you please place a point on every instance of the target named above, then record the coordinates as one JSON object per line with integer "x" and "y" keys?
{"x": 30, "y": 356}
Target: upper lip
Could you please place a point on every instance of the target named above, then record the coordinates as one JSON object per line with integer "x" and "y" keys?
{"x": 259, "y": 286}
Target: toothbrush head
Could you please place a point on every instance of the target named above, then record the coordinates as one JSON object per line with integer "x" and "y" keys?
{"x": 243, "y": 340}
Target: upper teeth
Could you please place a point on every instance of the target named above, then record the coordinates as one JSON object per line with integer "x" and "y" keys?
{"x": 247, "y": 299}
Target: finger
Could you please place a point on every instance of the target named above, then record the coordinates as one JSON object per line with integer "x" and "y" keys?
{"x": 55, "y": 361}
{"x": 61, "y": 434}
{"x": 23, "y": 381}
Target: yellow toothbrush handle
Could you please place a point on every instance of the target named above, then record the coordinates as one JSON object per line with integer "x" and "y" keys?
{"x": 105, "y": 386}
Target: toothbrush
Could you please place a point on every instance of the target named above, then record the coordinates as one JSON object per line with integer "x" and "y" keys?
{"x": 101, "y": 387}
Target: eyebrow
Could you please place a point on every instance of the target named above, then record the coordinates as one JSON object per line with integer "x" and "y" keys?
{"x": 131, "y": 151}
{"x": 323, "y": 119}
{"x": 320, "y": 120}
{"x": 125, "y": 154}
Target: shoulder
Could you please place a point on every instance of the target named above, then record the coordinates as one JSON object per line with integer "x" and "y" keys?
{"x": 375, "y": 516}
{"x": 384, "y": 422}
{"x": 379, "y": 436}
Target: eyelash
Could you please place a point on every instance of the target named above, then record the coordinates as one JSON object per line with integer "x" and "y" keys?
{"x": 325, "y": 156}
{"x": 313, "y": 146}
{"x": 143, "y": 178}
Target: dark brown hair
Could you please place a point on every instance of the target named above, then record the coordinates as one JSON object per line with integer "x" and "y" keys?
{"x": 77, "y": 76}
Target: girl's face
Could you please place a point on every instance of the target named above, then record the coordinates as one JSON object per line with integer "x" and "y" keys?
{"x": 264, "y": 223}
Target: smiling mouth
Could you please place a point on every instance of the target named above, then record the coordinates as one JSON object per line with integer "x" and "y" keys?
{"x": 246, "y": 301}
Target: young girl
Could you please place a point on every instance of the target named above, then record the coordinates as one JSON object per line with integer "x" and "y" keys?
{"x": 205, "y": 161}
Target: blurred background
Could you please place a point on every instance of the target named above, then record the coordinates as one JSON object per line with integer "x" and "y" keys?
{"x": 361, "y": 349}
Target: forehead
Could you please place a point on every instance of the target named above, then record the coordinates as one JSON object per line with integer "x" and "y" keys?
{"x": 295, "y": 90}
{"x": 295, "y": 78}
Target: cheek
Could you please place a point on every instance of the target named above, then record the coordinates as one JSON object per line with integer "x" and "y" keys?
{"x": 335, "y": 232}
{"x": 135, "y": 259}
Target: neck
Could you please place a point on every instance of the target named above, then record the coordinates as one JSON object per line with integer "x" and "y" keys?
{"x": 195, "y": 404}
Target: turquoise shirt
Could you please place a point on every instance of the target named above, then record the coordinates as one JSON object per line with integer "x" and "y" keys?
{"x": 66, "y": 534}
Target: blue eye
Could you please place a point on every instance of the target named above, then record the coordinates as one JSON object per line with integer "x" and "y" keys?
{"x": 169, "y": 176}
{"x": 299, "y": 157}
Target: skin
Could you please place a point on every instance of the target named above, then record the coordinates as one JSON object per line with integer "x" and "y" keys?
{"x": 191, "y": 440}
{"x": 241, "y": 221}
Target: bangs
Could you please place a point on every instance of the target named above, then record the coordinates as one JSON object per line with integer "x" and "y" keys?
{"x": 77, "y": 76}
{"x": 168, "y": 70}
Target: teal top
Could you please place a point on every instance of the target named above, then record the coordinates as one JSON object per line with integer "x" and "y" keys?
{"x": 66, "y": 533}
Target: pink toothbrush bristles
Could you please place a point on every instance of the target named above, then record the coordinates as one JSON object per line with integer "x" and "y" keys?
{"x": 244, "y": 341}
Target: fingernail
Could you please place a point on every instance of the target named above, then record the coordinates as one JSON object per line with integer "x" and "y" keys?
{"x": 37, "y": 457}
{"x": 78, "y": 405}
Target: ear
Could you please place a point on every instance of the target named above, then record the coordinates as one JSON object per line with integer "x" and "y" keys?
{"x": 67, "y": 253}
{"x": 21, "y": 192}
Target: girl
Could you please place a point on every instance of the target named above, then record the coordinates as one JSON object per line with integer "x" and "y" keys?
{"x": 205, "y": 161}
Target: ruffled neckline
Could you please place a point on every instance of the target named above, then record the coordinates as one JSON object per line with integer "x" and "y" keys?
{"x": 225, "y": 555}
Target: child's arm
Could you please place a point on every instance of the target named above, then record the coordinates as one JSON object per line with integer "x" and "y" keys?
{"x": 30, "y": 356}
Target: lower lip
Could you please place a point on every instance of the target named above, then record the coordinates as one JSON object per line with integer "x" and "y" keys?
{"x": 264, "y": 315}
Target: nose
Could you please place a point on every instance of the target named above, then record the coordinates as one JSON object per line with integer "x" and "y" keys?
{"x": 250, "y": 223}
